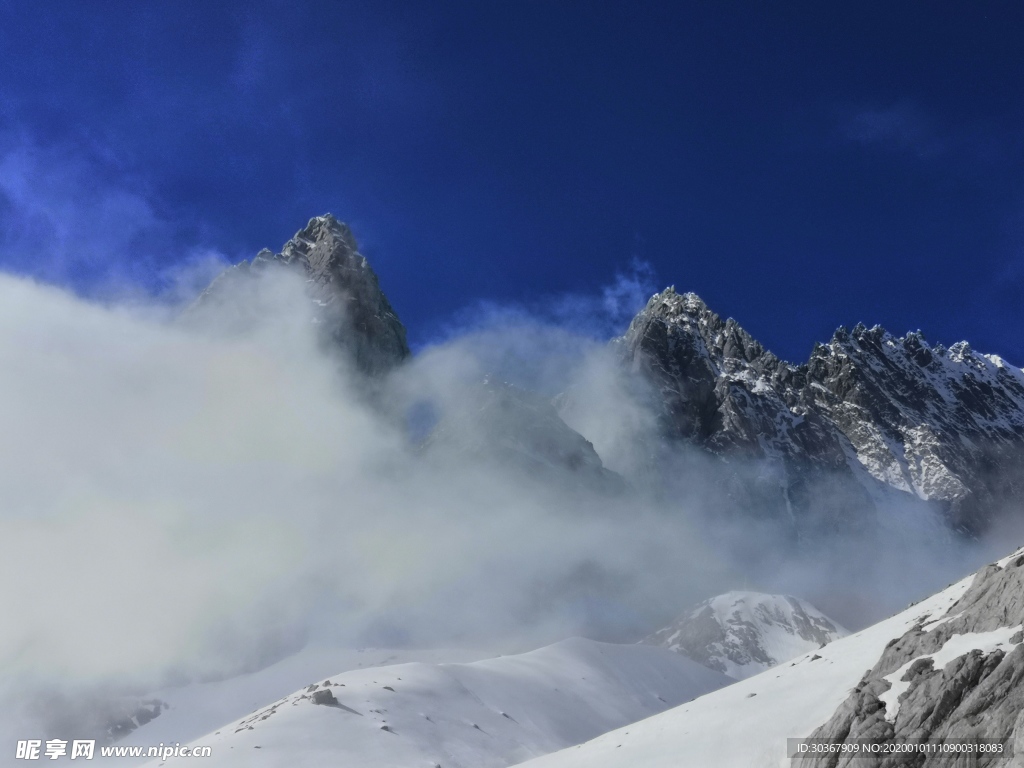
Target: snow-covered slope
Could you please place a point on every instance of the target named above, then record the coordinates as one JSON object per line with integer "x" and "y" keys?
{"x": 486, "y": 713}
{"x": 746, "y": 725}
{"x": 743, "y": 633}
{"x": 188, "y": 711}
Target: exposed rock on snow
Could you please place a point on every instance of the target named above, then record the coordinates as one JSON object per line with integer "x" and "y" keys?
{"x": 960, "y": 677}
{"x": 868, "y": 413}
{"x": 743, "y": 633}
{"x": 325, "y": 697}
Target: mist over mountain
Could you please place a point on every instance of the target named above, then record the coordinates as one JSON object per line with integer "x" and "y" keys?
{"x": 876, "y": 441}
{"x": 272, "y": 467}
{"x": 652, "y": 395}
{"x": 868, "y": 414}
{"x": 350, "y": 310}
{"x": 870, "y": 421}
{"x": 877, "y": 445}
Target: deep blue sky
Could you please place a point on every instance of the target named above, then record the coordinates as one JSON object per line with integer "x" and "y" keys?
{"x": 800, "y": 165}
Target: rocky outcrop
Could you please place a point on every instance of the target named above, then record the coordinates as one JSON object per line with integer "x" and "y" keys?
{"x": 869, "y": 414}
{"x": 744, "y": 633}
{"x": 924, "y": 687}
{"x": 350, "y": 309}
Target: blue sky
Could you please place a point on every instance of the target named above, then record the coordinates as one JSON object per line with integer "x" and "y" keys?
{"x": 800, "y": 165}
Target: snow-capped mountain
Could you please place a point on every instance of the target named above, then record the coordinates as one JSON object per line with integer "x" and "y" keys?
{"x": 493, "y": 420}
{"x": 350, "y": 308}
{"x": 478, "y": 715}
{"x": 744, "y": 633}
{"x": 869, "y": 413}
{"x": 870, "y": 416}
{"x": 949, "y": 667}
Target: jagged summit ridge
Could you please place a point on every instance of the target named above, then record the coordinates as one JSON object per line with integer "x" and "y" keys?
{"x": 891, "y": 413}
{"x": 715, "y": 387}
{"x": 350, "y": 308}
{"x": 939, "y": 423}
{"x": 869, "y": 414}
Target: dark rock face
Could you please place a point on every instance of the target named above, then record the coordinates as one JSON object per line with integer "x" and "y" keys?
{"x": 350, "y": 308}
{"x": 868, "y": 413}
{"x": 977, "y": 695}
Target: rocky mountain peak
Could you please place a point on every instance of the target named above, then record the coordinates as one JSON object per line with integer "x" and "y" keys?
{"x": 685, "y": 310}
{"x": 688, "y": 314}
{"x": 350, "y": 309}
{"x": 326, "y": 249}
{"x": 868, "y": 409}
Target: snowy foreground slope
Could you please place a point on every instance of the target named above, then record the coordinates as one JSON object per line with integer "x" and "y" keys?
{"x": 746, "y": 725}
{"x": 744, "y": 633}
{"x": 189, "y": 711}
{"x": 486, "y": 713}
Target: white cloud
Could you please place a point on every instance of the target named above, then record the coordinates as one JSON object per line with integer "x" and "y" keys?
{"x": 193, "y": 498}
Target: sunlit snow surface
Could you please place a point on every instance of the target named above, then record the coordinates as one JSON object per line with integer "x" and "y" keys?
{"x": 746, "y": 725}
{"x": 487, "y": 713}
{"x": 539, "y": 709}
{"x": 193, "y": 710}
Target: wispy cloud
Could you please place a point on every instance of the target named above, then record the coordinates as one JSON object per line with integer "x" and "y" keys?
{"x": 73, "y": 216}
{"x": 599, "y": 314}
{"x": 539, "y": 343}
